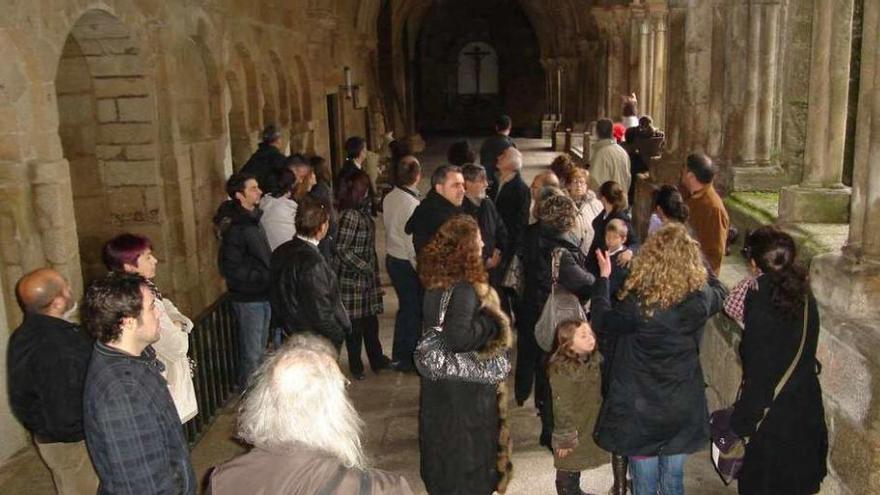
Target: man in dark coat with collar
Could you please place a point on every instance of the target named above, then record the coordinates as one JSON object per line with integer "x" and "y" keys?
{"x": 492, "y": 228}
{"x": 305, "y": 293}
{"x": 47, "y": 362}
{"x": 442, "y": 202}
{"x": 512, "y": 200}
{"x": 267, "y": 162}
{"x": 244, "y": 263}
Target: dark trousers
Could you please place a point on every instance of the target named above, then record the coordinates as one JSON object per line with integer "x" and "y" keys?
{"x": 364, "y": 330}
{"x": 531, "y": 369}
{"x": 408, "y": 322}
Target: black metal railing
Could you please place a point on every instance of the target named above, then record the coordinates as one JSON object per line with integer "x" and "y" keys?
{"x": 213, "y": 346}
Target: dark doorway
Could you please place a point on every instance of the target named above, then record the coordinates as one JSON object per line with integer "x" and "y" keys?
{"x": 475, "y": 60}
{"x": 334, "y": 130}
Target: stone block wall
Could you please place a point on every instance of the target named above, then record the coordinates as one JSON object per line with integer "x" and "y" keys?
{"x": 118, "y": 116}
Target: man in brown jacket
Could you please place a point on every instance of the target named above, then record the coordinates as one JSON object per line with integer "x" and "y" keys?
{"x": 708, "y": 218}
{"x": 304, "y": 431}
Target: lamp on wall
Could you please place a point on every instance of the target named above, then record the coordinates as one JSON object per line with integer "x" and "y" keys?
{"x": 348, "y": 87}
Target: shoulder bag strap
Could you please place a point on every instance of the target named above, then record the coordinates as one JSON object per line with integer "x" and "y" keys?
{"x": 334, "y": 482}
{"x": 793, "y": 364}
{"x": 555, "y": 260}
{"x": 444, "y": 305}
{"x": 366, "y": 483}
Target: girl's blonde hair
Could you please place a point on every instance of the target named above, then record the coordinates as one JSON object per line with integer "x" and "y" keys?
{"x": 563, "y": 358}
{"x": 669, "y": 266}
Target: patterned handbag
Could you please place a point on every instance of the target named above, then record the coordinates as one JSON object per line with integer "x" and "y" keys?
{"x": 435, "y": 361}
{"x": 728, "y": 449}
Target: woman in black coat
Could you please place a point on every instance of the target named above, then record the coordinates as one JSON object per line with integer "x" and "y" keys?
{"x": 655, "y": 411}
{"x": 464, "y": 440}
{"x": 787, "y": 453}
{"x": 557, "y": 217}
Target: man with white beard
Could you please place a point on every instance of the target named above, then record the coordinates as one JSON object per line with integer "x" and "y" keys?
{"x": 304, "y": 430}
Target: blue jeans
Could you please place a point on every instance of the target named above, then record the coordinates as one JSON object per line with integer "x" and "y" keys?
{"x": 663, "y": 475}
{"x": 408, "y": 322}
{"x": 253, "y": 335}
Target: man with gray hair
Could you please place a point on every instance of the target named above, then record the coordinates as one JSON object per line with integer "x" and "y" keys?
{"x": 304, "y": 430}
{"x": 492, "y": 228}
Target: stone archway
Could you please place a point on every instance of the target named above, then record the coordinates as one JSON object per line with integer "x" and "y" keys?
{"x": 106, "y": 115}
{"x": 472, "y": 62}
{"x": 237, "y": 121}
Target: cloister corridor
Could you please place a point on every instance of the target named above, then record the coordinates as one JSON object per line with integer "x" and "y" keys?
{"x": 388, "y": 403}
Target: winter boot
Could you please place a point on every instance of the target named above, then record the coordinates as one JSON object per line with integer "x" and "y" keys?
{"x": 619, "y": 464}
{"x": 568, "y": 483}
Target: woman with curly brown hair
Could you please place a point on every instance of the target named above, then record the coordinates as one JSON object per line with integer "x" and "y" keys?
{"x": 554, "y": 231}
{"x": 655, "y": 410}
{"x": 463, "y": 437}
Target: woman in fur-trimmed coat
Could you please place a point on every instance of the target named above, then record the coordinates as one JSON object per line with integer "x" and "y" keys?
{"x": 464, "y": 439}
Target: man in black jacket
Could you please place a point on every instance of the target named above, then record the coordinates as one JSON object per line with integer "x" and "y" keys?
{"x": 267, "y": 162}
{"x": 244, "y": 263}
{"x": 442, "y": 202}
{"x": 492, "y": 228}
{"x": 512, "y": 200}
{"x": 492, "y": 148}
{"x": 305, "y": 294}
{"x": 47, "y": 362}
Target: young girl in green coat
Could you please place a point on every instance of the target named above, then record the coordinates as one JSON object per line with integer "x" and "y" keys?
{"x": 575, "y": 380}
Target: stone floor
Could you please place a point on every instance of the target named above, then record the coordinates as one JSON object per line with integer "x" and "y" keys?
{"x": 389, "y": 405}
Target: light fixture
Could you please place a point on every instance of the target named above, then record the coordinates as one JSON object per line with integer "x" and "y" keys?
{"x": 348, "y": 87}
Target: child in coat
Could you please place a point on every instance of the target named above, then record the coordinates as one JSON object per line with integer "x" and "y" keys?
{"x": 573, "y": 369}
{"x": 616, "y": 233}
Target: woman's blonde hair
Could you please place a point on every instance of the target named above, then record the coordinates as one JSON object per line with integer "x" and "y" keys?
{"x": 669, "y": 266}
{"x": 563, "y": 358}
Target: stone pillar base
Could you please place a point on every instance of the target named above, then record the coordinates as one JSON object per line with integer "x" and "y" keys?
{"x": 849, "y": 286}
{"x": 761, "y": 178}
{"x": 548, "y": 127}
{"x": 561, "y": 141}
{"x": 847, "y": 292}
{"x": 815, "y": 205}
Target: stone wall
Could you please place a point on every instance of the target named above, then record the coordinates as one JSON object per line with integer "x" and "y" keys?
{"x": 120, "y": 115}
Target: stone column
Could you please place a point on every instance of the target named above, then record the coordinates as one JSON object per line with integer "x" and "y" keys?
{"x": 769, "y": 57}
{"x": 864, "y": 230}
{"x": 644, "y": 94}
{"x": 847, "y": 289}
{"x": 658, "y": 92}
{"x": 821, "y": 197}
{"x": 753, "y": 86}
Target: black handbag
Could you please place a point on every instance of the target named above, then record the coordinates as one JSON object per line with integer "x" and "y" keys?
{"x": 435, "y": 361}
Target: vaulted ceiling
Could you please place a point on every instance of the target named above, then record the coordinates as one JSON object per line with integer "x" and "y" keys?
{"x": 559, "y": 24}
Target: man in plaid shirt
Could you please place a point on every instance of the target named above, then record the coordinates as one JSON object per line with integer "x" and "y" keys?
{"x": 132, "y": 429}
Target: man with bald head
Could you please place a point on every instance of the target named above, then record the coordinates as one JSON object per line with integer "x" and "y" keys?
{"x": 47, "y": 363}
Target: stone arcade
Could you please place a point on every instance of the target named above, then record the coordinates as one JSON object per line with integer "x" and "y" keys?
{"x": 128, "y": 115}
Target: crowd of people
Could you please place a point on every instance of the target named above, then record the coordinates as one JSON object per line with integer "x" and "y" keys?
{"x": 479, "y": 257}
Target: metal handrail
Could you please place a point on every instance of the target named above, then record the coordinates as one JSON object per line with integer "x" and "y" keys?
{"x": 213, "y": 348}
